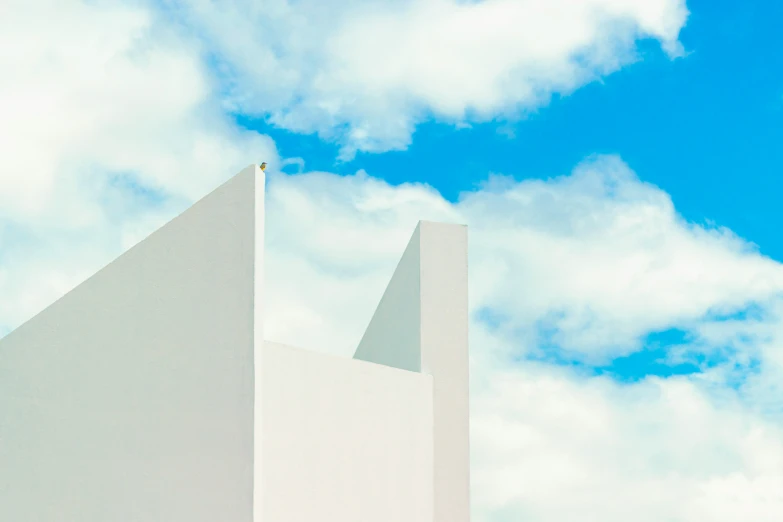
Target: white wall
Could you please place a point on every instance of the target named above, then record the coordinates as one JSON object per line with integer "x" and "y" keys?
{"x": 345, "y": 440}
{"x": 393, "y": 337}
{"x": 421, "y": 323}
{"x": 131, "y": 398}
{"x": 148, "y": 393}
{"x": 364, "y": 439}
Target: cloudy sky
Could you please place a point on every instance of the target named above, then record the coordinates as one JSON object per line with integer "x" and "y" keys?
{"x": 617, "y": 162}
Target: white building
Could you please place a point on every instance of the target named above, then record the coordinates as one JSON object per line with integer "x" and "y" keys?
{"x": 148, "y": 393}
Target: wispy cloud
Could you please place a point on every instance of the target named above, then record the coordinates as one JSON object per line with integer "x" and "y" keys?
{"x": 598, "y": 257}
{"x": 364, "y": 73}
{"x": 91, "y": 94}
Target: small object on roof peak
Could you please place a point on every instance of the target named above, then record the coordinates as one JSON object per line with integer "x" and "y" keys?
{"x": 263, "y": 165}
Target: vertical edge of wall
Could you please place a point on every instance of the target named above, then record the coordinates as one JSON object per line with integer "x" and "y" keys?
{"x": 131, "y": 397}
{"x": 444, "y": 352}
{"x": 421, "y": 324}
{"x": 258, "y": 344}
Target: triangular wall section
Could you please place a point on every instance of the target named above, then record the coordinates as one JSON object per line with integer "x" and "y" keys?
{"x": 421, "y": 324}
{"x": 131, "y": 397}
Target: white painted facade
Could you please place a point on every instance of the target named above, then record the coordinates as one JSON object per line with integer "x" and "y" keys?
{"x": 148, "y": 393}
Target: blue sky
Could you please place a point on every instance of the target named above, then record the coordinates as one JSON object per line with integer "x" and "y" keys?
{"x": 706, "y": 127}
{"x": 625, "y": 261}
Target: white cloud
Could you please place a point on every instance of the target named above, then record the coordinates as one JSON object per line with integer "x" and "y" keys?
{"x": 91, "y": 93}
{"x": 366, "y": 72}
{"x": 92, "y": 90}
{"x": 599, "y": 256}
{"x": 550, "y": 446}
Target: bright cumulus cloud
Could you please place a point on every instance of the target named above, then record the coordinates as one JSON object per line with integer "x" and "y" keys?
{"x": 114, "y": 119}
{"x": 598, "y": 256}
{"x": 364, "y": 73}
